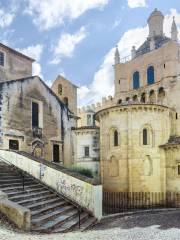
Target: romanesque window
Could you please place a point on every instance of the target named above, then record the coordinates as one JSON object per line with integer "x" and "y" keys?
{"x": 86, "y": 151}
{"x": 178, "y": 169}
{"x": 145, "y": 136}
{"x": 1, "y": 59}
{"x": 35, "y": 114}
{"x": 116, "y": 142}
{"x": 60, "y": 89}
{"x": 150, "y": 75}
{"x": 143, "y": 98}
{"x": 119, "y": 101}
{"x": 152, "y": 97}
{"x": 161, "y": 95}
{"x": 135, "y": 98}
{"x": 136, "y": 80}
{"x": 13, "y": 144}
{"x": 66, "y": 102}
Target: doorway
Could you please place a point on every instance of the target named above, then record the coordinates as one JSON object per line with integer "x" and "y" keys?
{"x": 55, "y": 153}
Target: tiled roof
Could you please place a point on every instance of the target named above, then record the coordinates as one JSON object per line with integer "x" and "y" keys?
{"x": 173, "y": 140}
{"x": 145, "y": 47}
{"x": 16, "y": 52}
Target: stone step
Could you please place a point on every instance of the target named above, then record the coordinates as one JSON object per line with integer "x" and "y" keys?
{"x": 15, "y": 180}
{"x": 69, "y": 225}
{"x": 48, "y": 208}
{"x": 49, "y": 212}
{"x": 8, "y": 174}
{"x": 38, "y": 205}
{"x": 50, "y": 225}
{"x": 27, "y": 183}
{"x": 26, "y": 191}
{"x": 8, "y": 189}
{"x": 51, "y": 215}
{"x": 11, "y": 177}
{"x": 31, "y": 200}
{"x": 25, "y": 195}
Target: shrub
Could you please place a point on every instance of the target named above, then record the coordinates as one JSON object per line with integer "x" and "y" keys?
{"x": 83, "y": 171}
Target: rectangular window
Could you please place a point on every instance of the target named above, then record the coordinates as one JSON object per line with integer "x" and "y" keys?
{"x": 35, "y": 114}
{"x": 86, "y": 151}
{"x": 89, "y": 121}
{"x": 1, "y": 59}
{"x": 13, "y": 144}
{"x": 178, "y": 169}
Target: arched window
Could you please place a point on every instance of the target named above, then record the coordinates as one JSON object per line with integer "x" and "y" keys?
{"x": 150, "y": 75}
{"x": 119, "y": 101}
{"x": 145, "y": 136}
{"x": 135, "y": 98}
{"x": 152, "y": 97}
{"x": 66, "y": 101}
{"x": 60, "y": 89}
{"x": 136, "y": 80}
{"x": 143, "y": 97}
{"x": 115, "y": 138}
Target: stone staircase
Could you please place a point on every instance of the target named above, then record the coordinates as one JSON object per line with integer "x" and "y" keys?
{"x": 50, "y": 213}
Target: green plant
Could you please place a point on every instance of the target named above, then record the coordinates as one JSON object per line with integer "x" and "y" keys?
{"x": 83, "y": 171}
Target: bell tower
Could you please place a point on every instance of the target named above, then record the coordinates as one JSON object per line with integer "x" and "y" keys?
{"x": 155, "y": 22}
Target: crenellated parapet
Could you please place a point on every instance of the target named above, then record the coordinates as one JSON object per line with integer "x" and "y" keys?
{"x": 105, "y": 102}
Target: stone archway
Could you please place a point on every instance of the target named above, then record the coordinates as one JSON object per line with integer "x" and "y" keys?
{"x": 38, "y": 149}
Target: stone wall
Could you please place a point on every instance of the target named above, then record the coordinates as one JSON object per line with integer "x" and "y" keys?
{"x": 16, "y": 119}
{"x": 63, "y": 88}
{"x": 16, "y": 65}
{"x": 87, "y": 137}
{"x": 132, "y": 166}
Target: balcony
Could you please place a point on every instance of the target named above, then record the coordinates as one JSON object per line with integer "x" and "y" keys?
{"x": 37, "y": 132}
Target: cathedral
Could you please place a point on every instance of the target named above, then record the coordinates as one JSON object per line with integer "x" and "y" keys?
{"x": 140, "y": 125}
{"x": 132, "y": 140}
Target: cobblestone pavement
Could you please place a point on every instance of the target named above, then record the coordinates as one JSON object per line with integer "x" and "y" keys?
{"x": 157, "y": 226}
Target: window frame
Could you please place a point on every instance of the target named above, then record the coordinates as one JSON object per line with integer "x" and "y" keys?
{"x": 1, "y": 51}
{"x": 136, "y": 81}
{"x": 86, "y": 155}
{"x": 14, "y": 140}
{"x": 149, "y": 81}
{"x": 60, "y": 89}
{"x": 145, "y": 137}
{"x": 115, "y": 138}
{"x": 40, "y": 103}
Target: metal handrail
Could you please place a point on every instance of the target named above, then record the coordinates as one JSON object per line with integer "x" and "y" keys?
{"x": 22, "y": 173}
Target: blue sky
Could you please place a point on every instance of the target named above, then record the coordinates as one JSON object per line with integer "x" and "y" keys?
{"x": 76, "y": 38}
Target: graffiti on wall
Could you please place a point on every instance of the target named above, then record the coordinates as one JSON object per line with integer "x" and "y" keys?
{"x": 79, "y": 193}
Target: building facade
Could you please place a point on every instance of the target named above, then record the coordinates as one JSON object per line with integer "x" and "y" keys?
{"x": 140, "y": 125}
{"x": 66, "y": 92}
{"x": 13, "y": 64}
{"x": 86, "y": 141}
{"x": 32, "y": 117}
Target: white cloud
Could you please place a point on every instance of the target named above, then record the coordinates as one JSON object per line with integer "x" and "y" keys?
{"x": 136, "y": 3}
{"x": 116, "y": 23}
{"x": 103, "y": 81}
{"x": 6, "y": 18}
{"x": 66, "y": 45}
{"x": 50, "y": 13}
{"x": 35, "y": 52}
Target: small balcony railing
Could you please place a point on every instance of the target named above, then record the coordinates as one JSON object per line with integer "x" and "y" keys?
{"x": 37, "y": 132}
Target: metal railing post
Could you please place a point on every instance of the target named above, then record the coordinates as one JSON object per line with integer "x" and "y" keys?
{"x": 79, "y": 214}
{"x": 23, "y": 181}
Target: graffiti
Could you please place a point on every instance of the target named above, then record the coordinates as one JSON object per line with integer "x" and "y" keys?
{"x": 42, "y": 170}
{"x": 81, "y": 194}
